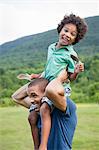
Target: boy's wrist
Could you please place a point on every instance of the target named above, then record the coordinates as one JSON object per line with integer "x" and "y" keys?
{"x": 73, "y": 76}
{"x": 76, "y": 72}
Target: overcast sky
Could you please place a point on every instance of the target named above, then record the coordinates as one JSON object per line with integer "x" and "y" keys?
{"x": 20, "y": 18}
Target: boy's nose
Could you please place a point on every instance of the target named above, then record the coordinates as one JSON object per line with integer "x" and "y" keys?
{"x": 68, "y": 34}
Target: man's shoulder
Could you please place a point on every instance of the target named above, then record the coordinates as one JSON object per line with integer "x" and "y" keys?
{"x": 70, "y": 109}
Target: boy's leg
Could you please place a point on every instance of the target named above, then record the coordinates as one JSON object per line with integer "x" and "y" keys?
{"x": 46, "y": 125}
{"x": 32, "y": 118}
{"x": 21, "y": 97}
{"x": 55, "y": 92}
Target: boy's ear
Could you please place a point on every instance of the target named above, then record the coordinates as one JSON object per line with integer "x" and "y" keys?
{"x": 75, "y": 58}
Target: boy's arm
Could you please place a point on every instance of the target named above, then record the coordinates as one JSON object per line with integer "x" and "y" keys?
{"x": 73, "y": 76}
{"x": 78, "y": 68}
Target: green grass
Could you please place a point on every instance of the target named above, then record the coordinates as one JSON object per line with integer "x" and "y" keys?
{"x": 15, "y": 131}
{"x": 87, "y": 132}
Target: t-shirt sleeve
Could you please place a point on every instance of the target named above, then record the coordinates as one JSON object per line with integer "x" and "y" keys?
{"x": 71, "y": 65}
{"x": 42, "y": 74}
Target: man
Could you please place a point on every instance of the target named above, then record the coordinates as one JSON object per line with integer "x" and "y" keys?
{"x": 63, "y": 122}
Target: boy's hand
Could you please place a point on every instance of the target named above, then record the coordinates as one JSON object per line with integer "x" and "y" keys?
{"x": 79, "y": 67}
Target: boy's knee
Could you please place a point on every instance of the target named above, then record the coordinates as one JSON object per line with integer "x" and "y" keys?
{"x": 49, "y": 91}
{"x": 63, "y": 108}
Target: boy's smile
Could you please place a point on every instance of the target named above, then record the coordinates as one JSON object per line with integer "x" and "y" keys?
{"x": 67, "y": 35}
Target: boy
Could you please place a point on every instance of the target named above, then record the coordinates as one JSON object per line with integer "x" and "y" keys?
{"x": 60, "y": 64}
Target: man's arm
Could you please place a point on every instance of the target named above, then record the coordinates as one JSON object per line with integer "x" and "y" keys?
{"x": 21, "y": 97}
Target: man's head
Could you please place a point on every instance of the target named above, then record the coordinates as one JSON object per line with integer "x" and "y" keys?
{"x": 36, "y": 89}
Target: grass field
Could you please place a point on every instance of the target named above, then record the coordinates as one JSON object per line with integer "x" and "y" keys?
{"x": 15, "y": 131}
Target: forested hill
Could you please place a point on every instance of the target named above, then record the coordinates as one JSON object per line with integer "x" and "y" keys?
{"x": 28, "y": 55}
{"x": 33, "y": 48}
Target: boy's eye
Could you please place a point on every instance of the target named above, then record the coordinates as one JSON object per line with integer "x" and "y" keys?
{"x": 74, "y": 34}
{"x": 65, "y": 30}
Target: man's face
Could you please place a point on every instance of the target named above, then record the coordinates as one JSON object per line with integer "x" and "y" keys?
{"x": 35, "y": 94}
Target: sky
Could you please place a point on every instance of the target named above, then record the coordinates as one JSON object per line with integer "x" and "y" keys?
{"x": 19, "y": 18}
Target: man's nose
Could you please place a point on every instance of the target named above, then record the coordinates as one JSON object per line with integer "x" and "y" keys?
{"x": 32, "y": 101}
{"x": 36, "y": 101}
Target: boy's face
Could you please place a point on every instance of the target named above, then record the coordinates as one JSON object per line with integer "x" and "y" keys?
{"x": 35, "y": 94}
{"x": 67, "y": 35}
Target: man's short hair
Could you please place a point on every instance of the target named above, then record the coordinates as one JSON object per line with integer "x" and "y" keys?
{"x": 41, "y": 82}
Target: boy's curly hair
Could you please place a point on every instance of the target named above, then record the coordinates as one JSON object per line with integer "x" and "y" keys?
{"x": 76, "y": 20}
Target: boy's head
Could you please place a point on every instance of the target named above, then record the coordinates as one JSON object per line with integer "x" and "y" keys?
{"x": 79, "y": 23}
{"x": 36, "y": 89}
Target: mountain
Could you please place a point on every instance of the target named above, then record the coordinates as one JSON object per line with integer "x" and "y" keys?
{"x": 32, "y": 50}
